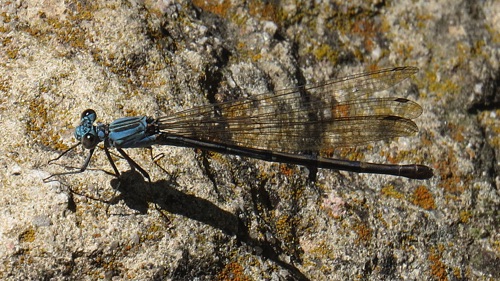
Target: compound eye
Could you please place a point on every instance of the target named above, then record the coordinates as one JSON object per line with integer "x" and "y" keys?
{"x": 89, "y": 114}
{"x": 89, "y": 141}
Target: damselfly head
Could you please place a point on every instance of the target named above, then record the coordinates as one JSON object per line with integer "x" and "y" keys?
{"x": 86, "y": 131}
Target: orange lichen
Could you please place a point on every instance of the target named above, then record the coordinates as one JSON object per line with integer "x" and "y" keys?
{"x": 451, "y": 180}
{"x": 438, "y": 268}
{"x": 214, "y": 7}
{"x": 262, "y": 10}
{"x": 364, "y": 233}
{"x": 233, "y": 272}
{"x": 286, "y": 170}
{"x": 423, "y": 198}
{"x": 367, "y": 30}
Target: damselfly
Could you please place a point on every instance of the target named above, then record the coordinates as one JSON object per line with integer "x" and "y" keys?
{"x": 295, "y": 125}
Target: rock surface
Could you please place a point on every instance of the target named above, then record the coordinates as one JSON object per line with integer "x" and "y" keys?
{"x": 207, "y": 216}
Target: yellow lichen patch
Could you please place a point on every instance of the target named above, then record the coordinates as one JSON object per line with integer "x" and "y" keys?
{"x": 64, "y": 30}
{"x": 423, "y": 198}
{"x": 4, "y": 86}
{"x": 439, "y": 85}
{"x": 391, "y": 192}
{"x": 490, "y": 121}
{"x": 37, "y": 125}
{"x": 27, "y": 236}
{"x": 351, "y": 153}
{"x": 465, "y": 216}
{"x": 325, "y": 52}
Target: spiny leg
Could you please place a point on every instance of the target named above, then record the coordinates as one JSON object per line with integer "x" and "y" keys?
{"x": 133, "y": 164}
{"x": 117, "y": 173}
{"x": 157, "y": 158}
{"x": 66, "y": 151}
{"x": 81, "y": 170}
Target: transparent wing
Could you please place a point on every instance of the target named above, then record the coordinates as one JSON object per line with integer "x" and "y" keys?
{"x": 314, "y": 117}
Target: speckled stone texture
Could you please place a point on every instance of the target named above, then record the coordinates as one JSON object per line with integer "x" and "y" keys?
{"x": 208, "y": 216}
